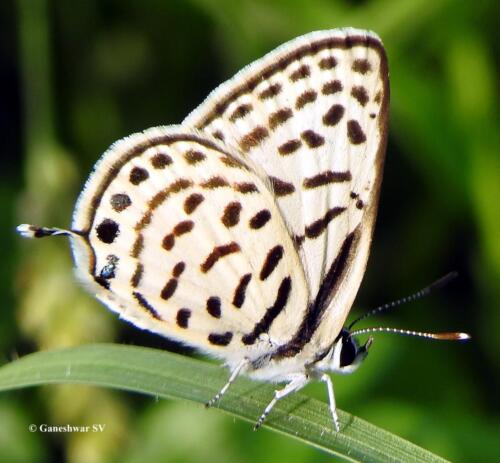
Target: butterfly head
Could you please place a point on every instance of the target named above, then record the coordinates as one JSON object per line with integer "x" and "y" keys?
{"x": 347, "y": 354}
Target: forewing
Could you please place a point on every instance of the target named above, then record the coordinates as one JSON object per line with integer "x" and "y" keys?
{"x": 183, "y": 238}
{"x": 313, "y": 114}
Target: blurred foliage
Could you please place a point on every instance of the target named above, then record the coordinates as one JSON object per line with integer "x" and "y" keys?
{"x": 78, "y": 75}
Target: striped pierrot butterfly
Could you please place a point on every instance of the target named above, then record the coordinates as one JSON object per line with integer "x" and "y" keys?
{"x": 245, "y": 231}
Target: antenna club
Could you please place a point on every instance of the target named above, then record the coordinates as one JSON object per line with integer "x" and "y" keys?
{"x": 452, "y": 336}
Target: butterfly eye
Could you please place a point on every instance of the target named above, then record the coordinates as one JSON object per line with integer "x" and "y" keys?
{"x": 348, "y": 352}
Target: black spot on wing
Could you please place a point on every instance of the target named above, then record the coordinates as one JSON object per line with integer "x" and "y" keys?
{"x": 362, "y": 66}
{"x": 169, "y": 289}
{"x": 289, "y": 147}
{"x": 312, "y": 139}
{"x": 272, "y": 260}
{"x": 137, "y": 276}
{"x": 326, "y": 178}
{"x": 161, "y": 160}
{"x": 192, "y": 202}
{"x": 260, "y": 219}
{"x": 217, "y": 253}
{"x": 333, "y": 115}
{"x": 327, "y": 63}
{"x": 146, "y": 305}
{"x": 360, "y": 94}
{"x": 355, "y": 132}
{"x": 319, "y": 226}
{"x": 309, "y": 96}
{"x": 107, "y": 231}
{"x": 220, "y": 339}
{"x": 120, "y": 201}
{"x": 301, "y": 73}
{"x": 240, "y": 291}
{"x": 182, "y": 318}
{"x": 254, "y": 138}
{"x": 231, "y": 215}
{"x": 138, "y": 175}
{"x": 332, "y": 87}
{"x": 213, "y": 306}
{"x": 280, "y": 187}
{"x": 279, "y": 117}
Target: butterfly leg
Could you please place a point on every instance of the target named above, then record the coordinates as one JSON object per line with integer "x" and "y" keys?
{"x": 297, "y": 383}
{"x": 331, "y": 399}
{"x": 234, "y": 375}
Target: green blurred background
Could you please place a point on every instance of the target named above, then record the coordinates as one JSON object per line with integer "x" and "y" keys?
{"x": 76, "y": 76}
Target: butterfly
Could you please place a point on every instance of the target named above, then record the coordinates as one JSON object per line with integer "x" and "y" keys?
{"x": 245, "y": 231}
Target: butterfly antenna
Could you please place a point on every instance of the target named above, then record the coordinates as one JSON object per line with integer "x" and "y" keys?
{"x": 451, "y": 336}
{"x": 32, "y": 231}
{"x": 413, "y": 297}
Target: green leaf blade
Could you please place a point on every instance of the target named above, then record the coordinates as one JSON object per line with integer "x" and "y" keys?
{"x": 167, "y": 375}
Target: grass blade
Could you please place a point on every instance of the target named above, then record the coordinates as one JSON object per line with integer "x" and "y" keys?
{"x": 167, "y": 375}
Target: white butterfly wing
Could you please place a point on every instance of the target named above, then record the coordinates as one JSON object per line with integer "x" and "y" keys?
{"x": 183, "y": 238}
{"x": 313, "y": 114}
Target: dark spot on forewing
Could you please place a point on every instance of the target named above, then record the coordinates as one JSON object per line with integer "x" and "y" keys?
{"x": 161, "y": 160}
{"x": 270, "y": 91}
{"x": 361, "y": 66}
{"x": 169, "y": 289}
{"x": 138, "y": 175}
{"x": 231, "y": 215}
{"x": 240, "y": 291}
{"x": 178, "y": 269}
{"x": 301, "y": 73}
{"x": 194, "y": 157}
{"x": 327, "y": 177}
{"x": 217, "y": 253}
{"x": 168, "y": 242}
{"x": 220, "y": 339}
{"x": 319, "y": 226}
{"x": 279, "y": 117}
{"x": 360, "y": 94}
{"x": 289, "y": 147}
{"x": 182, "y": 318}
{"x": 327, "y": 63}
{"x": 272, "y": 260}
{"x": 240, "y": 112}
{"x": 107, "y": 231}
{"x": 254, "y": 138}
{"x": 280, "y": 187}
{"x": 120, "y": 201}
{"x": 183, "y": 227}
{"x": 137, "y": 276}
{"x": 215, "y": 182}
{"x": 355, "y": 132}
{"x": 231, "y": 162}
{"x": 312, "y": 139}
{"x": 213, "y": 306}
{"x": 260, "y": 219}
{"x": 309, "y": 96}
{"x": 218, "y": 134}
{"x": 329, "y": 88}
{"x": 146, "y": 305}
{"x": 192, "y": 202}
{"x": 246, "y": 187}
{"x": 333, "y": 115}
{"x": 138, "y": 246}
